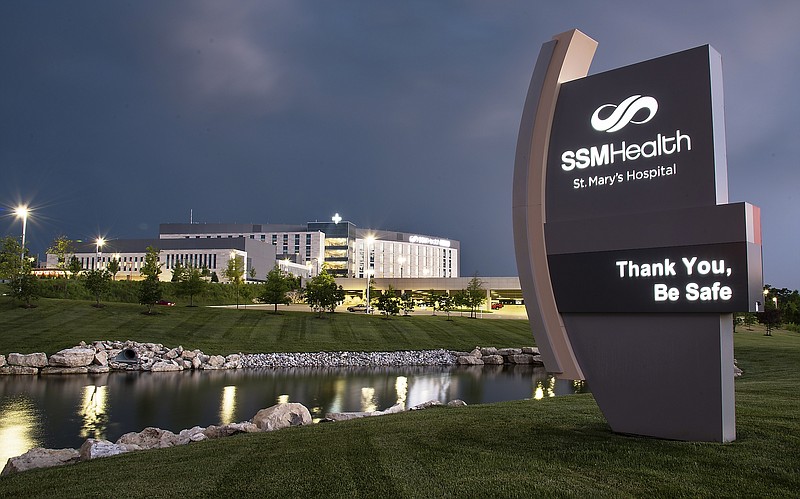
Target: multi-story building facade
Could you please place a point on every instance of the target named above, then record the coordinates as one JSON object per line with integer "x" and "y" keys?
{"x": 346, "y": 250}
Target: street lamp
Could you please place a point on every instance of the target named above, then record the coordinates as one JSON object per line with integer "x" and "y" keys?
{"x": 99, "y": 242}
{"x": 22, "y": 212}
{"x": 401, "y": 260}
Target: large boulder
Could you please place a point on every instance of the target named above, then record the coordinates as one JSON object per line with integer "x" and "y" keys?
{"x": 282, "y": 416}
{"x": 216, "y": 361}
{"x": 40, "y": 458}
{"x": 492, "y": 359}
{"x": 194, "y": 434}
{"x": 522, "y": 358}
{"x": 100, "y": 358}
{"x": 230, "y": 429}
{"x": 73, "y": 357}
{"x": 2, "y": 360}
{"x": 94, "y": 448}
{"x": 165, "y": 366}
{"x": 29, "y": 360}
{"x": 19, "y": 370}
{"x": 469, "y": 360}
{"x": 425, "y": 405}
{"x": 150, "y": 438}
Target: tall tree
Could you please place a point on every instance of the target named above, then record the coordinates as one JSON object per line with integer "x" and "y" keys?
{"x": 150, "y": 287}
{"x": 322, "y": 294}
{"x": 96, "y": 282}
{"x": 234, "y": 273}
{"x": 276, "y": 287}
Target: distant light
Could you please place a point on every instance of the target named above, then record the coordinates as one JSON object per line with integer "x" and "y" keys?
{"x": 336, "y": 218}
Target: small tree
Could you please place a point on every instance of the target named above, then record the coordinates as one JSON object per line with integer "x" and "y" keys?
{"x": 407, "y": 303}
{"x": 432, "y": 300}
{"x": 749, "y": 320}
{"x": 96, "y": 282}
{"x": 178, "y": 271}
{"x": 475, "y": 295}
{"x": 61, "y": 247}
{"x": 113, "y": 268}
{"x": 277, "y": 287}
{"x": 388, "y": 302}
{"x": 75, "y": 268}
{"x": 446, "y": 303}
{"x": 460, "y": 300}
{"x": 771, "y": 318}
{"x": 24, "y": 285}
{"x": 234, "y": 273}
{"x": 252, "y": 273}
{"x": 10, "y": 254}
{"x": 191, "y": 283}
{"x": 150, "y": 288}
{"x": 322, "y": 294}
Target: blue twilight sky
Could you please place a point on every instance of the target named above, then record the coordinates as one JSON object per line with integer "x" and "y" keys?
{"x": 116, "y": 116}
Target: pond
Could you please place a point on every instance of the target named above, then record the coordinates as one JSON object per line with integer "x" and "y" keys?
{"x": 59, "y": 411}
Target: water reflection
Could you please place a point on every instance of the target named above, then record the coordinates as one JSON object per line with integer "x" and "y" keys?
{"x": 19, "y": 422}
{"x": 62, "y": 411}
{"x": 227, "y": 408}
{"x": 93, "y": 412}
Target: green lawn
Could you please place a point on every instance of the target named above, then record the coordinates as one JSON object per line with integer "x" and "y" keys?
{"x": 558, "y": 447}
{"x": 57, "y": 324}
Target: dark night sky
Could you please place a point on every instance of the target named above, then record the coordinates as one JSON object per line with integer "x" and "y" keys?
{"x": 117, "y": 116}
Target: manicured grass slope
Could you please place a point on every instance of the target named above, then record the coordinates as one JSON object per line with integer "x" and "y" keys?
{"x": 57, "y": 324}
{"x": 558, "y": 447}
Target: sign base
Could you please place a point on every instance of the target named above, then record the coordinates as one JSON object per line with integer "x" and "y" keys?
{"x": 660, "y": 375}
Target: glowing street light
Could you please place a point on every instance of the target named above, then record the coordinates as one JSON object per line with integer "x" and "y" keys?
{"x": 99, "y": 243}
{"x": 22, "y": 212}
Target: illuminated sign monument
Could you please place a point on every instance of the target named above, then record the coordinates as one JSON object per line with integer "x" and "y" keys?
{"x": 630, "y": 258}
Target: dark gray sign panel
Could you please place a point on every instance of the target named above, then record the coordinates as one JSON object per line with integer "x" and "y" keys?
{"x": 635, "y": 139}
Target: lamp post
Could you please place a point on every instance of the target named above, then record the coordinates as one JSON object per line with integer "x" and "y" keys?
{"x": 22, "y": 212}
{"x": 401, "y": 260}
{"x": 369, "y": 240}
{"x": 99, "y": 242}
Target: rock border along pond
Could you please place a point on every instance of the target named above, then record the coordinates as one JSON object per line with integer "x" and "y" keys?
{"x": 106, "y": 356}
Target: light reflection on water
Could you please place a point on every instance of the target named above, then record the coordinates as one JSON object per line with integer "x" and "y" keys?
{"x": 227, "y": 408}
{"x": 19, "y": 422}
{"x": 94, "y": 413}
{"x": 62, "y": 411}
